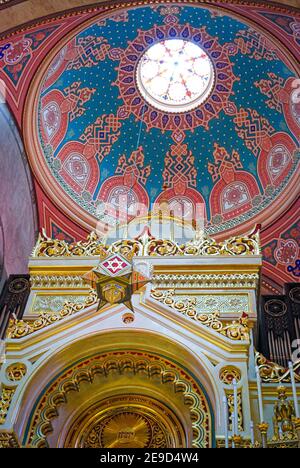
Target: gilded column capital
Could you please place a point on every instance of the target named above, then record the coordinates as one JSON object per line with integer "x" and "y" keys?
{"x": 263, "y": 428}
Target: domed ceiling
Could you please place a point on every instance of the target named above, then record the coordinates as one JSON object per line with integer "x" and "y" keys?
{"x": 178, "y": 103}
{"x": 197, "y": 105}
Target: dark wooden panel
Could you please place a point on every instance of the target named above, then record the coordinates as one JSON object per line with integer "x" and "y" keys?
{"x": 13, "y": 299}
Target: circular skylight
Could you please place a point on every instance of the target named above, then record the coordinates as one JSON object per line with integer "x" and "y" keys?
{"x": 175, "y": 75}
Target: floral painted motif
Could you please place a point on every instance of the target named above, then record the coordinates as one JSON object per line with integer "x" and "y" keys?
{"x": 235, "y": 189}
{"x": 16, "y": 55}
{"x": 286, "y": 251}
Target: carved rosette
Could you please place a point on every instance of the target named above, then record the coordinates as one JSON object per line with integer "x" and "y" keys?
{"x": 230, "y": 373}
{"x": 16, "y": 372}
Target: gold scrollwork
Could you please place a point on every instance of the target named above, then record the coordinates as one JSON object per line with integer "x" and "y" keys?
{"x": 127, "y": 248}
{"x": 230, "y": 400}
{"x": 20, "y": 328}
{"x": 270, "y": 372}
{"x": 204, "y": 245}
{"x": 92, "y": 247}
{"x": 204, "y": 281}
{"x": 8, "y": 440}
{"x": 163, "y": 248}
{"x": 6, "y": 396}
{"x": 201, "y": 245}
{"x": 235, "y": 330}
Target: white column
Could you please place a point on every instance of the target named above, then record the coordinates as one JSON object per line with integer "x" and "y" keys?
{"x": 233, "y": 426}
{"x": 225, "y": 407}
{"x": 236, "y": 407}
{"x": 291, "y": 367}
{"x": 260, "y": 397}
{"x": 252, "y": 433}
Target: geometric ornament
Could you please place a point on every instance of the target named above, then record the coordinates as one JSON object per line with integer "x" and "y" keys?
{"x": 115, "y": 265}
{"x": 115, "y": 280}
{"x": 77, "y": 167}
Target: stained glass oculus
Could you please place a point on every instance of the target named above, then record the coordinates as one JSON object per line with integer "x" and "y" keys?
{"x": 175, "y": 75}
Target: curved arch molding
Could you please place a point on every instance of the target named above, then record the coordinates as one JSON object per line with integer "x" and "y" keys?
{"x": 154, "y": 367}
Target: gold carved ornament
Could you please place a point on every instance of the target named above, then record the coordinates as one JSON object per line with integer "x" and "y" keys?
{"x": 115, "y": 280}
{"x": 8, "y": 440}
{"x": 230, "y": 373}
{"x": 92, "y": 247}
{"x": 239, "y": 443}
{"x": 148, "y": 246}
{"x": 16, "y": 372}
{"x": 230, "y": 400}
{"x": 162, "y": 371}
{"x": 204, "y": 281}
{"x": 284, "y": 415}
{"x": 270, "y": 372}
{"x": 127, "y": 429}
{"x": 20, "y": 328}
{"x": 236, "y": 330}
{"x": 126, "y": 421}
{"x": 204, "y": 245}
{"x": 6, "y": 396}
{"x": 57, "y": 281}
{"x": 286, "y": 426}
